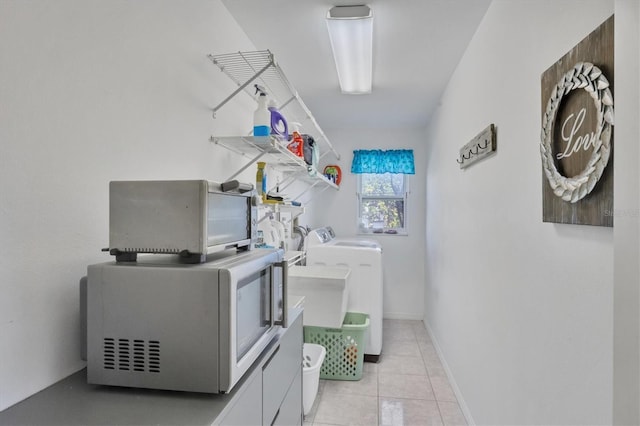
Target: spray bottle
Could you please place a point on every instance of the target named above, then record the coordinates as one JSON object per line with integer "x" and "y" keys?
{"x": 261, "y": 116}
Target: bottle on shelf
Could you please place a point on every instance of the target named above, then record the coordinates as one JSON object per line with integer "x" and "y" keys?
{"x": 279, "y": 126}
{"x": 297, "y": 143}
{"x": 311, "y": 154}
{"x": 261, "y": 180}
{"x": 261, "y": 116}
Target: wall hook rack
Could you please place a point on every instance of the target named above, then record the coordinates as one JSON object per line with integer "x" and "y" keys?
{"x": 481, "y": 146}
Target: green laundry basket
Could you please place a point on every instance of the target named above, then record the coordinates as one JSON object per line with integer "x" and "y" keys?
{"x": 344, "y": 346}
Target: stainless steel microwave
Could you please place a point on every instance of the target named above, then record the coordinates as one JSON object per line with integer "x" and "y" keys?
{"x": 191, "y": 218}
{"x": 162, "y": 324}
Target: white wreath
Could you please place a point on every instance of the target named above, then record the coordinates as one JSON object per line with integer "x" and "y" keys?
{"x": 589, "y": 77}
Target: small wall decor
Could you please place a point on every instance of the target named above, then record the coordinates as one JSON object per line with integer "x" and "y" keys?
{"x": 577, "y": 133}
{"x": 481, "y": 146}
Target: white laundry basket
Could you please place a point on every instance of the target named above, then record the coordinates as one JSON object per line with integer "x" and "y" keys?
{"x": 312, "y": 358}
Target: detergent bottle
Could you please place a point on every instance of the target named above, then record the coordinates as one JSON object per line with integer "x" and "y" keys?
{"x": 297, "y": 143}
{"x": 261, "y": 180}
{"x": 278, "y": 123}
{"x": 261, "y": 116}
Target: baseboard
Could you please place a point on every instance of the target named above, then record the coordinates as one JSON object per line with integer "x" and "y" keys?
{"x": 452, "y": 381}
{"x": 402, "y": 316}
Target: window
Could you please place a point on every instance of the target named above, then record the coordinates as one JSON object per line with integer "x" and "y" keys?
{"x": 382, "y": 202}
{"x": 382, "y": 189}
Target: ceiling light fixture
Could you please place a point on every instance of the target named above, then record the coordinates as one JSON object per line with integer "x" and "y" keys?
{"x": 351, "y": 34}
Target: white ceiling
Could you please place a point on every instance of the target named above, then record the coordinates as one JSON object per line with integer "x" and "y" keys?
{"x": 416, "y": 47}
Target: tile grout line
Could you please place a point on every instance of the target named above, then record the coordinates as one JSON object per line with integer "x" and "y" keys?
{"x": 425, "y": 349}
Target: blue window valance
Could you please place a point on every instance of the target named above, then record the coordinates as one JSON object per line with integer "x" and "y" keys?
{"x": 379, "y": 161}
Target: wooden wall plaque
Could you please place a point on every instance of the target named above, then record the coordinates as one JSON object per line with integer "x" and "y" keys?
{"x": 481, "y": 146}
{"x": 577, "y": 133}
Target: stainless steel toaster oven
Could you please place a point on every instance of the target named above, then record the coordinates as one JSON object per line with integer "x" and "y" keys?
{"x": 191, "y": 218}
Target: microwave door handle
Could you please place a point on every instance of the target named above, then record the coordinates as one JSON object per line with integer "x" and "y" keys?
{"x": 284, "y": 322}
{"x": 272, "y": 301}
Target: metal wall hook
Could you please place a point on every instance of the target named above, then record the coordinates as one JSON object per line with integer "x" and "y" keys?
{"x": 482, "y": 145}
{"x": 470, "y": 154}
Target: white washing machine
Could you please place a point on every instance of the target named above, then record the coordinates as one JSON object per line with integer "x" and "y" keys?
{"x": 364, "y": 258}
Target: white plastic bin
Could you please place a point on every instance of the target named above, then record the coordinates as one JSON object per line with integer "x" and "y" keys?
{"x": 326, "y": 293}
{"x": 312, "y": 359}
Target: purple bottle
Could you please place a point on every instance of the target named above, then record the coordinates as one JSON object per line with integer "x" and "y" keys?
{"x": 279, "y": 125}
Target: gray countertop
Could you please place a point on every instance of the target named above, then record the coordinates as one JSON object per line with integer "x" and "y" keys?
{"x": 72, "y": 401}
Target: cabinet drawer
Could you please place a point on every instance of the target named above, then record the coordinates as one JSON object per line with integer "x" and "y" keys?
{"x": 243, "y": 410}
{"x": 279, "y": 372}
{"x": 291, "y": 409}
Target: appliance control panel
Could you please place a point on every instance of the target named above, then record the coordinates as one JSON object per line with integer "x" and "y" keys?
{"x": 317, "y": 237}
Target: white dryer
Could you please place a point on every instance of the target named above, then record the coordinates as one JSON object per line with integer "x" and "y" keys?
{"x": 364, "y": 258}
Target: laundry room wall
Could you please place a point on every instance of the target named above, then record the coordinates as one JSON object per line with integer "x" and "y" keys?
{"x": 402, "y": 255}
{"x": 626, "y": 274}
{"x": 93, "y": 92}
{"x": 521, "y": 310}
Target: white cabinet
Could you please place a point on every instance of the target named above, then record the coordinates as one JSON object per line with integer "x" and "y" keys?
{"x": 289, "y": 412}
{"x": 272, "y": 395}
{"x": 246, "y": 409}
{"x": 280, "y": 377}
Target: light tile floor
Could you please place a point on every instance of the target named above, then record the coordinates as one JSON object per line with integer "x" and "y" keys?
{"x": 407, "y": 387}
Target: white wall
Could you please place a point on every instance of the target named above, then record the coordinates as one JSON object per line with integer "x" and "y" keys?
{"x": 92, "y": 92}
{"x": 521, "y": 310}
{"x": 403, "y": 256}
{"x": 626, "y": 392}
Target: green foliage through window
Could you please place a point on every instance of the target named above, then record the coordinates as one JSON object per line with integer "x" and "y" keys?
{"x": 382, "y": 202}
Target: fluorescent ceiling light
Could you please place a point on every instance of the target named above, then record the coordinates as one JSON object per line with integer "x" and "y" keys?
{"x": 351, "y": 34}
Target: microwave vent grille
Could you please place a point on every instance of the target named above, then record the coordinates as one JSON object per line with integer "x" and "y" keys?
{"x": 131, "y": 355}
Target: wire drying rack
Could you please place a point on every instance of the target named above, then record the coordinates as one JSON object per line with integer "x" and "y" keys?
{"x": 260, "y": 67}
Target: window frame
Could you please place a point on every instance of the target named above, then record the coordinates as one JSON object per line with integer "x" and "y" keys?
{"x": 361, "y": 198}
